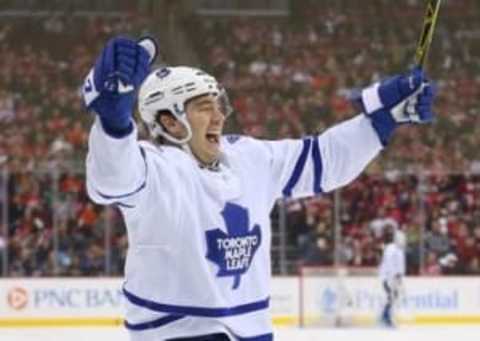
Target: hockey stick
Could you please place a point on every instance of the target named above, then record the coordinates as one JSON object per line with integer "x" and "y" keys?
{"x": 429, "y": 21}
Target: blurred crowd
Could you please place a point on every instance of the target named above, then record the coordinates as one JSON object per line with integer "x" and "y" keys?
{"x": 43, "y": 145}
{"x": 290, "y": 77}
{"x": 286, "y": 77}
{"x": 440, "y": 215}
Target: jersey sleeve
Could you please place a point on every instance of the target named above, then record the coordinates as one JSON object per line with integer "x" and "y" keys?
{"x": 325, "y": 162}
{"x": 116, "y": 168}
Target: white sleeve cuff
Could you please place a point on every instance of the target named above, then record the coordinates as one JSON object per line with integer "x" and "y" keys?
{"x": 371, "y": 98}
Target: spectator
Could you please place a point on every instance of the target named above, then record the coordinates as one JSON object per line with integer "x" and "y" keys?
{"x": 437, "y": 240}
{"x": 432, "y": 266}
{"x": 318, "y": 252}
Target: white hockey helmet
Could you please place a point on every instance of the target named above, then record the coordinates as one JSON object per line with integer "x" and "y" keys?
{"x": 169, "y": 89}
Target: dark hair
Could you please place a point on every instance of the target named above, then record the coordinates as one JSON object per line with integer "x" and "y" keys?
{"x": 160, "y": 139}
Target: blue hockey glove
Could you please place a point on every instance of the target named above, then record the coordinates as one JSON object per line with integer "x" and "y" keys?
{"x": 389, "y": 92}
{"x": 417, "y": 108}
{"x": 110, "y": 87}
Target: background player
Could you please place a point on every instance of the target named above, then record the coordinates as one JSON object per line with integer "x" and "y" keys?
{"x": 392, "y": 271}
{"x": 197, "y": 205}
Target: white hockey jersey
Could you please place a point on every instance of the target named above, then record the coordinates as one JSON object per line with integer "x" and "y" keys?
{"x": 393, "y": 264}
{"x": 199, "y": 240}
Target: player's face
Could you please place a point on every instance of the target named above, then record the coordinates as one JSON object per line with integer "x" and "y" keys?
{"x": 206, "y": 120}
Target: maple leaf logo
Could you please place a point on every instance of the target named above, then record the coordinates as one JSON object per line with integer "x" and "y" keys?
{"x": 233, "y": 251}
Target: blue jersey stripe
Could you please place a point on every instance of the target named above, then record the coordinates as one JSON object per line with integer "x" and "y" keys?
{"x": 142, "y": 186}
{"x": 318, "y": 167}
{"x": 298, "y": 169}
{"x": 154, "y": 323}
{"x": 196, "y": 311}
{"x": 172, "y": 318}
{"x": 265, "y": 337}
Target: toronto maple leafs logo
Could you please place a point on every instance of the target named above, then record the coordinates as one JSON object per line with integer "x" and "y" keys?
{"x": 163, "y": 72}
{"x": 233, "y": 251}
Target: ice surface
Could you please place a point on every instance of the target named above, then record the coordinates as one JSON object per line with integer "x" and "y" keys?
{"x": 431, "y": 333}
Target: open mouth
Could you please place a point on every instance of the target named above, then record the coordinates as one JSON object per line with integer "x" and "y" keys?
{"x": 213, "y": 138}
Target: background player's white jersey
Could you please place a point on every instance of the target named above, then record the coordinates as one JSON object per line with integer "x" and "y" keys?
{"x": 393, "y": 263}
{"x": 199, "y": 240}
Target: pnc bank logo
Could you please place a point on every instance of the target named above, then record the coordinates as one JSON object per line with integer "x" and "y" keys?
{"x": 17, "y": 298}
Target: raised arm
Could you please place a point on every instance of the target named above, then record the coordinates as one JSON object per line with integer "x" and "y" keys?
{"x": 336, "y": 157}
{"x": 116, "y": 165}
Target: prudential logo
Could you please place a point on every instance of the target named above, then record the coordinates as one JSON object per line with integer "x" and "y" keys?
{"x": 328, "y": 300}
{"x": 17, "y": 298}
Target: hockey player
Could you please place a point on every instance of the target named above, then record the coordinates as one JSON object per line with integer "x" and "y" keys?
{"x": 197, "y": 204}
{"x": 392, "y": 271}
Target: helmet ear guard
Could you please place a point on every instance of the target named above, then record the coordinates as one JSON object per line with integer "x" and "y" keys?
{"x": 157, "y": 130}
{"x": 169, "y": 89}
